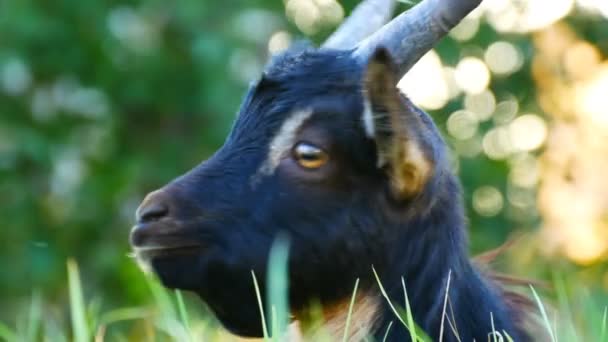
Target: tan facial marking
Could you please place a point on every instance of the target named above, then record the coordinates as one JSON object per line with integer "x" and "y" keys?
{"x": 282, "y": 143}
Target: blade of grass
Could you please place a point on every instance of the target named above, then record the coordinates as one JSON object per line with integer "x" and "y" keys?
{"x": 80, "y": 330}
{"x": 101, "y": 333}
{"x": 350, "y": 311}
{"x": 555, "y": 324}
{"x": 273, "y": 314}
{"x": 260, "y": 305}
{"x": 162, "y": 300}
{"x": 124, "y": 314}
{"x": 183, "y": 314}
{"x": 419, "y": 333}
{"x": 564, "y": 306}
{"x": 53, "y": 330}
{"x": 544, "y": 314}
{"x": 388, "y": 328}
{"x": 494, "y": 333}
{"x": 93, "y": 312}
{"x": 445, "y": 305}
{"x": 277, "y": 287}
{"x": 168, "y": 319}
{"x": 33, "y": 324}
{"x": 385, "y": 295}
{"x": 452, "y": 322}
{"x": 408, "y": 314}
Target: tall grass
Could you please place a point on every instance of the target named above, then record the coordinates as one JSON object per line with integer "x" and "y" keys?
{"x": 350, "y": 311}
{"x": 169, "y": 318}
{"x": 416, "y": 333}
{"x": 80, "y": 326}
{"x": 278, "y": 306}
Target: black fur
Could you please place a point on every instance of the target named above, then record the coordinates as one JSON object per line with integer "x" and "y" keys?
{"x": 340, "y": 219}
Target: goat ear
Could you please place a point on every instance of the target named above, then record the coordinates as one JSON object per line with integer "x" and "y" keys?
{"x": 395, "y": 125}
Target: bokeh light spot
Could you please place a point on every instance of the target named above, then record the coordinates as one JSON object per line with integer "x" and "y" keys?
{"x": 599, "y": 6}
{"x": 525, "y": 170}
{"x": 482, "y": 105}
{"x": 528, "y": 132}
{"x": 15, "y": 77}
{"x": 487, "y": 201}
{"x": 505, "y": 111}
{"x": 244, "y": 65}
{"x": 503, "y": 58}
{"x": 332, "y": 12}
{"x": 581, "y": 60}
{"x": 462, "y": 124}
{"x": 466, "y": 29}
{"x": 593, "y": 98}
{"x": 450, "y": 80}
{"x": 425, "y": 83}
{"x": 472, "y": 75}
{"x": 278, "y": 42}
{"x": 525, "y": 16}
{"x": 497, "y": 143}
{"x": 469, "y": 148}
{"x": 305, "y": 14}
{"x": 136, "y": 32}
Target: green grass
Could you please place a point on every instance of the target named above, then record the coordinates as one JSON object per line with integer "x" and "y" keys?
{"x": 278, "y": 306}
{"x": 170, "y": 318}
{"x": 350, "y": 311}
{"x": 260, "y": 305}
{"x": 543, "y": 312}
{"x": 80, "y": 327}
{"x": 403, "y": 315}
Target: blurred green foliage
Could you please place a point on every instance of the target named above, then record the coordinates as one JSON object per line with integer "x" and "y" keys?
{"x": 113, "y": 99}
{"x": 104, "y": 101}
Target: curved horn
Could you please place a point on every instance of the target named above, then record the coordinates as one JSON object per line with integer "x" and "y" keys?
{"x": 413, "y": 33}
{"x": 365, "y": 19}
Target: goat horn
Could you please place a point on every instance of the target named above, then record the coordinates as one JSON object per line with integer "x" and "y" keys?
{"x": 413, "y": 33}
{"x": 365, "y": 19}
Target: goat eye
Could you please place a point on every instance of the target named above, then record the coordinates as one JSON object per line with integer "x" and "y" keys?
{"x": 309, "y": 156}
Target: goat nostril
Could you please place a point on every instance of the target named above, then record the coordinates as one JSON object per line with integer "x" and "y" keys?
{"x": 151, "y": 211}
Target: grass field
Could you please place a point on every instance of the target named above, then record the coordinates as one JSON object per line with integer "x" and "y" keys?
{"x": 570, "y": 315}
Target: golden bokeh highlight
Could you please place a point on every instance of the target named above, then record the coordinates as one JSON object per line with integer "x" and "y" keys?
{"x": 528, "y": 132}
{"x": 503, "y": 58}
{"x": 505, "y": 111}
{"x": 573, "y": 85}
{"x": 462, "y": 124}
{"x": 558, "y": 154}
{"x": 472, "y": 75}
{"x": 312, "y": 15}
{"x": 482, "y": 105}
{"x": 279, "y": 41}
{"x": 487, "y": 201}
{"x": 426, "y": 83}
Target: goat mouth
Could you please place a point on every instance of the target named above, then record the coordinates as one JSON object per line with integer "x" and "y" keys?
{"x": 150, "y": 252}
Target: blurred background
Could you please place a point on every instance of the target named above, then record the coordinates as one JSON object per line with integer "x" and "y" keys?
{"x": 104, "y": 101}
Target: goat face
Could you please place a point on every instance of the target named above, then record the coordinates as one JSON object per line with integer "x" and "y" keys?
{"x": 312, "y": 155}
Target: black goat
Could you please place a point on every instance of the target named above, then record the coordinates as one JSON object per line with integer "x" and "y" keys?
{"x": 327, "y": 151}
